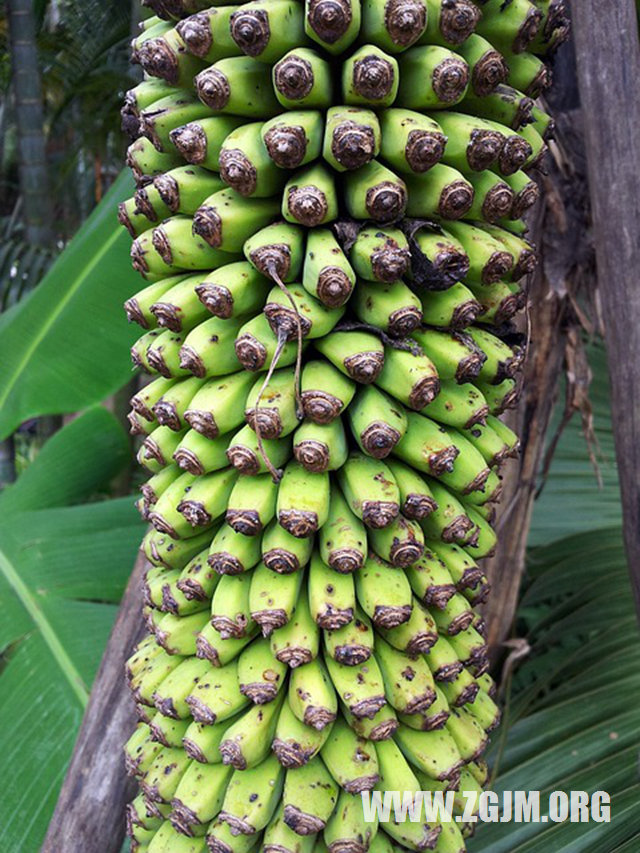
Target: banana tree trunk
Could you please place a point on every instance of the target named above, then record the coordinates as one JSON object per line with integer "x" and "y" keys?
{"x": 27, "y": 91}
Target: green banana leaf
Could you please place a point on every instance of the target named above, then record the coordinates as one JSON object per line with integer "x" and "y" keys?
{"x": 571, "y": 714}
{"x": 65, "y": 346}
{"x": 571, "y": 500}
{"x": 63, "y": 567}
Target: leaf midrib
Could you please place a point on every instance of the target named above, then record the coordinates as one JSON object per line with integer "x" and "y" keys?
{"x": 44, "y": 329}
{"x": 46, "y": 629}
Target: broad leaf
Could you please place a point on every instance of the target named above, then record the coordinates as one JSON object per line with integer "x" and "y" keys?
{"x": 572, "y": 717}
{"x": 66, "y": 345}
{"x": 62, "y": 572}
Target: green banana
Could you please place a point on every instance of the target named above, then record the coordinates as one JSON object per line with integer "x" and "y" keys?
{"x": 370, "y": 490}
{"x": 221, "y": 839}
{"x": 145, "y": 683}
{"x": 280, "y": 838}
{"x": 165, "y": 516}
{"x": 168, "y": 839}
{"x": 352, "y": 644}
{"x": 484, "y": 710}
{"x": 332, "y": 598}
{"x": 140, "y": 751}
{"x": 370, "y": 77}
{"x": 487, "y": 65}
{"x": 198, "y": 797}
{"x": 156, "y": 342}
{"x": 294, "y": 138}
{"x": 460, "y": 690}
{"x": 156, "y": 485}
{"x": 432, "y": 718}
{"x": 252, "y": 504}
{"x": 462, "y": 569}
{"x": 161, "y": 550}
{"x": 321, "y": 447}
{"x": 271, "y": 410}
{"x": 380, "y": 254}
{"x": 207, "y": 350}
{"x": 390, "y": 306}
{"x": 502, "y": 362}
{"x": 431, "y": 77}
{"x": 136, "y": 223}
{"x": 457, "y": 405}
{"x": 267, "y": 29}
{"x": 308, "y": 798}
{"x": 238, "y": 85}
{"x": 297, "y": 642}
{"x": 523, "y": 252}
{"x": 429, "y": 448}
{"x": 474, "y": 144}
{"x": 410, "y": 376}
{"x": 179, "y": 308}
{"x": 499, "y": 397}
{"x": 411, "y": 141}
{"x": 492, "y": 198}
{"x": 333, "y": 24}
{"x": 199, "y": 142}
{"x": 434, "y": 752}
{"x": 257, "y": 345}
{"x": 201, "y": 455}
{"x": 138, "y": 307}
{"x": 396, "y": 774}
{"x": 252, "y": 797}
{"x": 177, "y": 634}
{"x": 431, "y": 580}
{"x": 218, "y": 407}
{"x": 246, "y": 456}
{"x": 408, "y": 682}
{"x": 163, "y": 776}
{"x": 230, "y": 609}
{"x": 158, "y": 448}
{"x": 247, "y": 742}
{"x": 302, "y": 79}
{"x": 166, "y": 56}
{"x": 382, "y": 726}
{"x": 375, "y": 192}
{"x": 442, "y": 191}
{"x": 327, "y": 274}
{"x": 325, "y": 391}
{"x": 490, "y": 261}
{"x": 499, "y": 302}
{"x": 454, "y": 617}
{"x": 310, "y": 197}
{"x": 393, "y": 26}
{"x": 277, "y": 251}
{"x": 400, "y": 543}
{"x": 303, "y": 500}
{"x": 245, "y": 164}
{"x": 282, "y": 552}
{"x": 145, "y": 161}
{"x": 351, "y": 760}
{"x": 454, "y": 308}
{"x": 161, "y": 117}
{"x": 525, "y": 193}
{"x": 219, "y": 652}
{"x": 201, "y": 741}
{"x": 359, "y": 686}
{"x": 510, "y": 27}
{"x": 306, "y": 315}
{"x": 454, "y": 354}
{"x": 232, "y": 553}
{"x": 346, "y": 829}
{"x": 272, "y": 597}
{"x": 359, "y": 355}
{"x": 469, "y": 645}
{"x": 485, "y": 542}
{"x": 295, "y": 743}
{"x": 342, "y": 539}
{"x": 416, "y": 636}
{"x": 438, "y": 259}
{"x": 225, "y": 219}
{"x": 312, "y": 696}
{"x": 351, "y": 137}
{"x": 216, "y": 697}
{"x": 377, "y": 422}
{"x": 207, "y": 498}
{"x": 146, "y": 398}
{"x": 383, "y": 593}
{"x": 169, "y": 410}
{"x": 207, "y": 35}
{"x": 504, "y": 105}
{"x": 450, "y": 22}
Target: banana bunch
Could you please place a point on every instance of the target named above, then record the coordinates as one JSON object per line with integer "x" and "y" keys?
{"x": 328, "y": 221}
